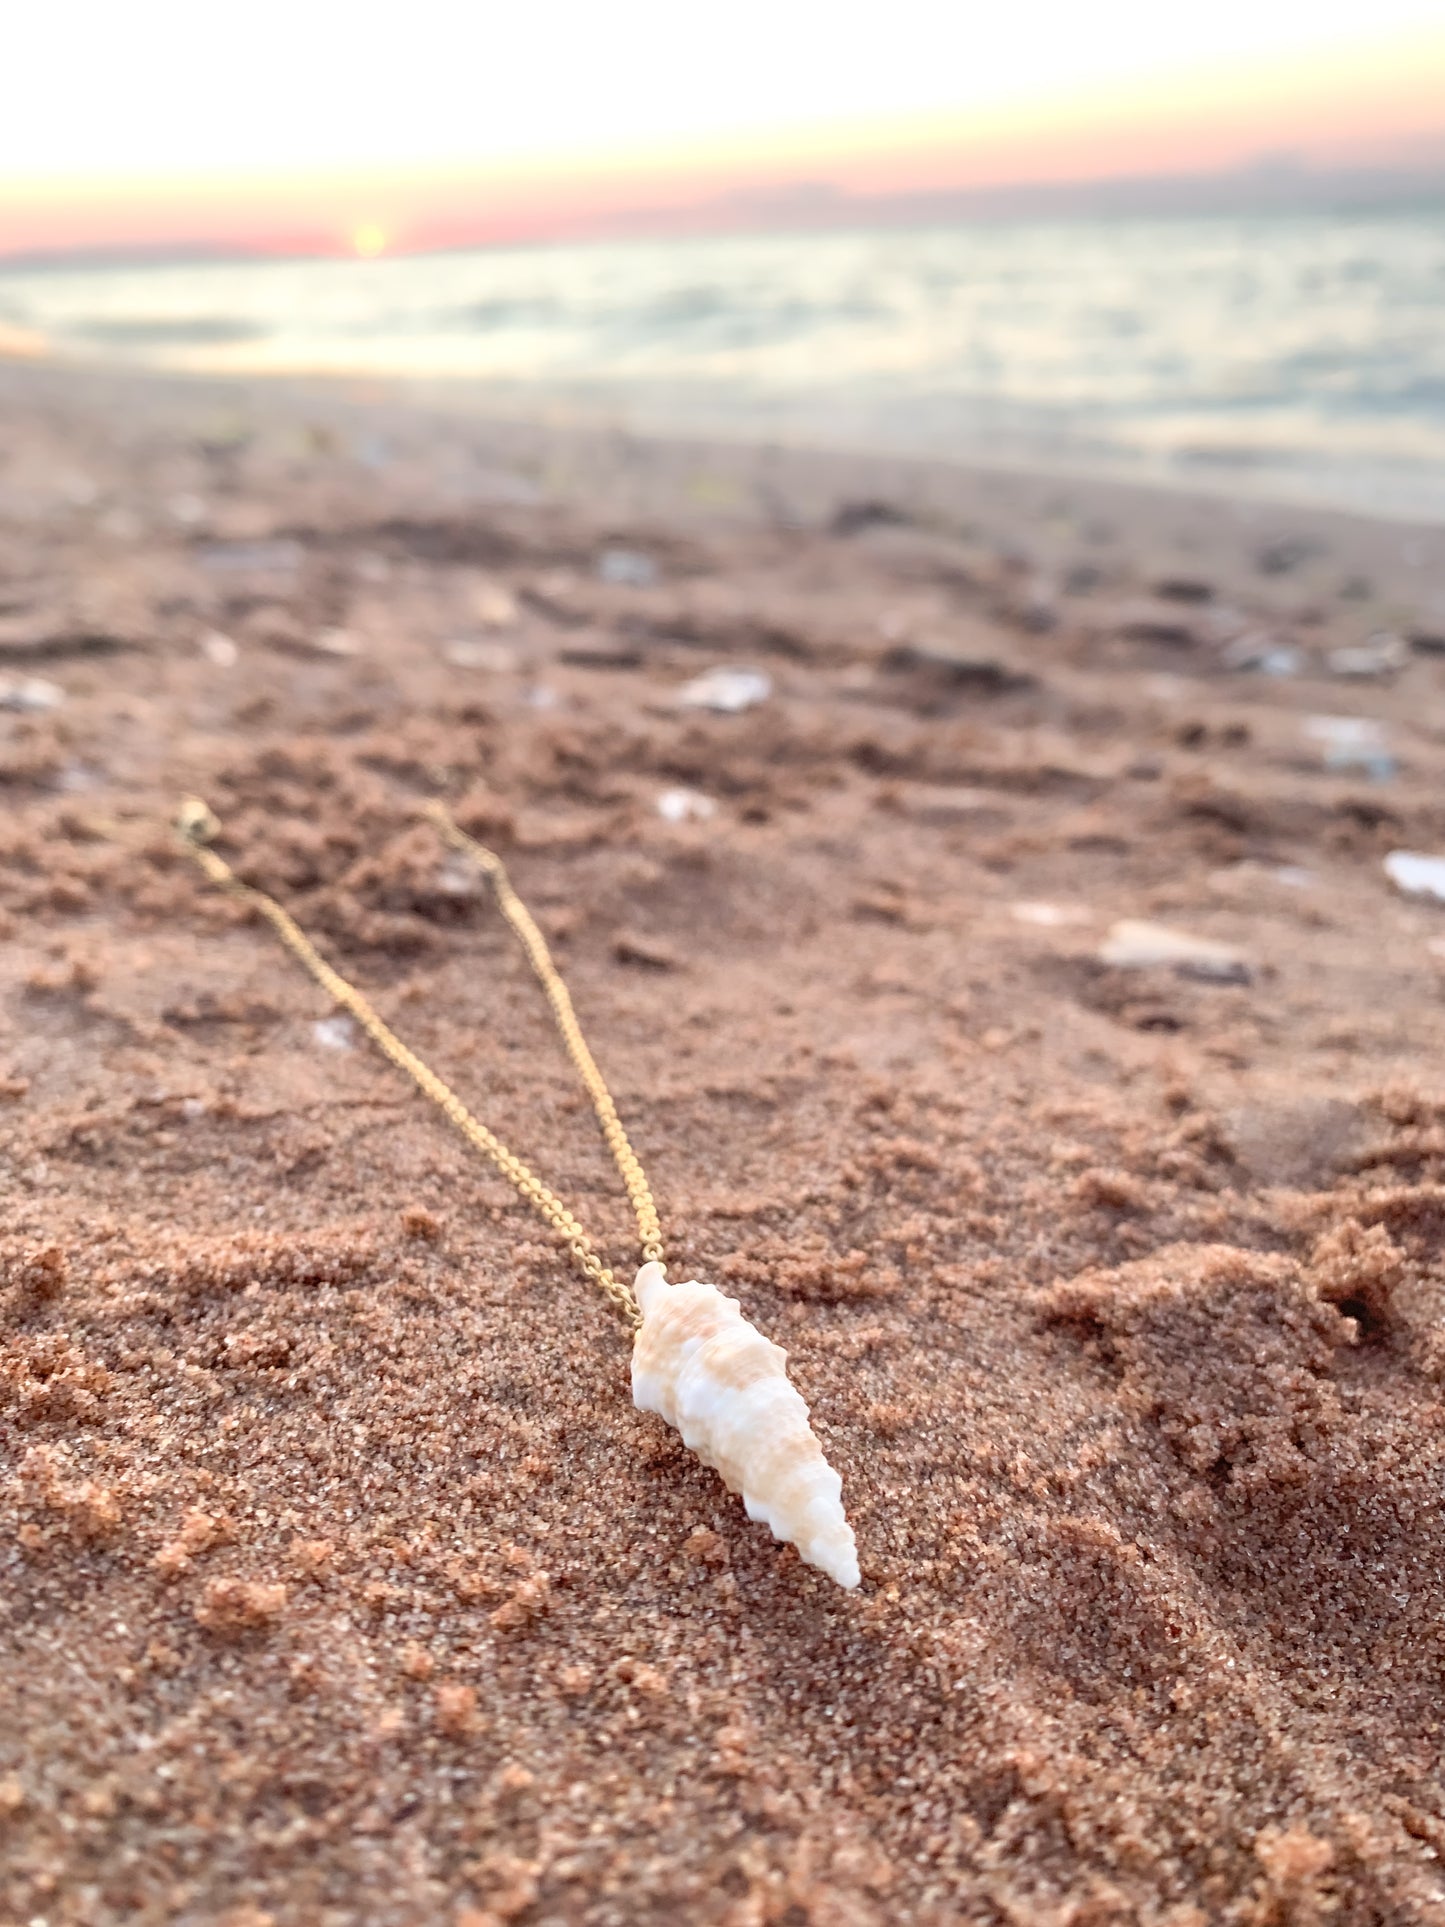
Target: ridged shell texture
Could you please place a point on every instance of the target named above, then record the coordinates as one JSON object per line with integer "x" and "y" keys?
{"x": 700, "y": 1365}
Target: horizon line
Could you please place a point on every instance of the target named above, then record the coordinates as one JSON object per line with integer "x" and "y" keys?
{"x": 1266, "y": 184}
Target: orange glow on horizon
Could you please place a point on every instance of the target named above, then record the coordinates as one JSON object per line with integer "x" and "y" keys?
{"x": 1372, "y": 106}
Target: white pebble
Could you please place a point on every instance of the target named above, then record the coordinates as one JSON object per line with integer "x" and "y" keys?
{"x": 467, "y": 652}
{"x": 219, "y": 649}
{"x": 189, "y": 510}
{"x": 459, "y": 877}
{"x": 495, "y": 605}
{"x": 1379, "y": 655}
{"x": 31, "y": 694}
{"x": 333, "y": 1033}
{"x": 279, "y": 557}
{"x": 1417, "y": 875}
{"x": 1049, "y": 916}
{"x": 1262, "y": 652}
{"x": 1354, "y": 743}
{"x": 728, "y": 691}
{"x": 337, "y": 642}
{"x": 1353, "y": 732}
{"x": 685, "y": 806}
{"x": 627, "y": 568}
{"x": 1135, "y": 945}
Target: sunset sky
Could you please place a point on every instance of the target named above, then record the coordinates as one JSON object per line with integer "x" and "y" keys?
{"x": 307, "y": 122}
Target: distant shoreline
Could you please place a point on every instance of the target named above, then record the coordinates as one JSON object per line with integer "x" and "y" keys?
{"x": 1295, "y": 359}
{"x": 545, "y": 418}
{"x": 1171, "y": 198}
{"x": 590, "y": 460}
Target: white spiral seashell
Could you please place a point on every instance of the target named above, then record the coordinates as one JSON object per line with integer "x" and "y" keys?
{"x": 700, "y": 1365}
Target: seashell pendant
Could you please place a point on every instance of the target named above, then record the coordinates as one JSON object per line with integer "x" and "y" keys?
{"x": 702, "y": 1367}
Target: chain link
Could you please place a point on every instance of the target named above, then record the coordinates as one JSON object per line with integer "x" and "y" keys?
{"x": 198, "y": 826}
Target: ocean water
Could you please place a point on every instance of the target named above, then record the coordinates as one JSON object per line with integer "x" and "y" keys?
{"x": 1298, "y": 358}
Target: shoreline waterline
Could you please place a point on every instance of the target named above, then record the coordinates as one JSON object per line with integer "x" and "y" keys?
{"x": 1290, "y": 360}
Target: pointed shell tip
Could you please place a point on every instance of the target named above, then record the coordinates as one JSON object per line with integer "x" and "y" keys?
{"x": 649, "y": 1286}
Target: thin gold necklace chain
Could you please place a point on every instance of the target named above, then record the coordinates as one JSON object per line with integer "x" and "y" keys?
{"x": 198, "y": 826}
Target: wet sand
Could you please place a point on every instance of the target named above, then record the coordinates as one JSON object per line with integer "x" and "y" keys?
{"x": 341, "y": 1581}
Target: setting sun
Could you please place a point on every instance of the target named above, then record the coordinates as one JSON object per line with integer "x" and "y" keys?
{"x": 368, "y": 239}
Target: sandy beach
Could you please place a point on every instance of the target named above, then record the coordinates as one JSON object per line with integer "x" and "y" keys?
{"x": 341, "y": 1581}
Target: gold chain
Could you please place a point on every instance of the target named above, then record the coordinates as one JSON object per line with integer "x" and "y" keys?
{"x": 198, "y": 826}
{"x": 639, "y": 1193}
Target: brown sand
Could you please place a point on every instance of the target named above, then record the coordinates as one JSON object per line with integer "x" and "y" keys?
{"x": 341, "y": 1581}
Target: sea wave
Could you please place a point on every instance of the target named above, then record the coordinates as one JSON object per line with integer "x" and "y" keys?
{"x": 1283, "y": 354}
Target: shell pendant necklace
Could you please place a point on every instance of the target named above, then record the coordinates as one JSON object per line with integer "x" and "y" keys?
{"x": 696, "y": 1361}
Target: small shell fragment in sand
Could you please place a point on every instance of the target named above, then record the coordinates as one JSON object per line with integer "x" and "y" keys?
{"x": 627, "y": 568}
{"x": 494, "y": 605}
{"x": 31, "y": 695}
{"x": 1417, "y": 875}
{"x": 1049, "y": 916}
{"x": 279, "y": 557}
{"x": 467, "y": 652}
{"x": 1263, "y": 653}
{"x": 1352, "y": 743}
{"x": 189, "y": 510}
{"x": 728, "y": 691}
{"x": 336, "y": 642}
{"x": 458, "y": 876}
{"x": 219, "y": 649}
{"x": 1379, "y": 655}
{"x": 685, "y": 806}
{"x": 1137, "y": 945}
